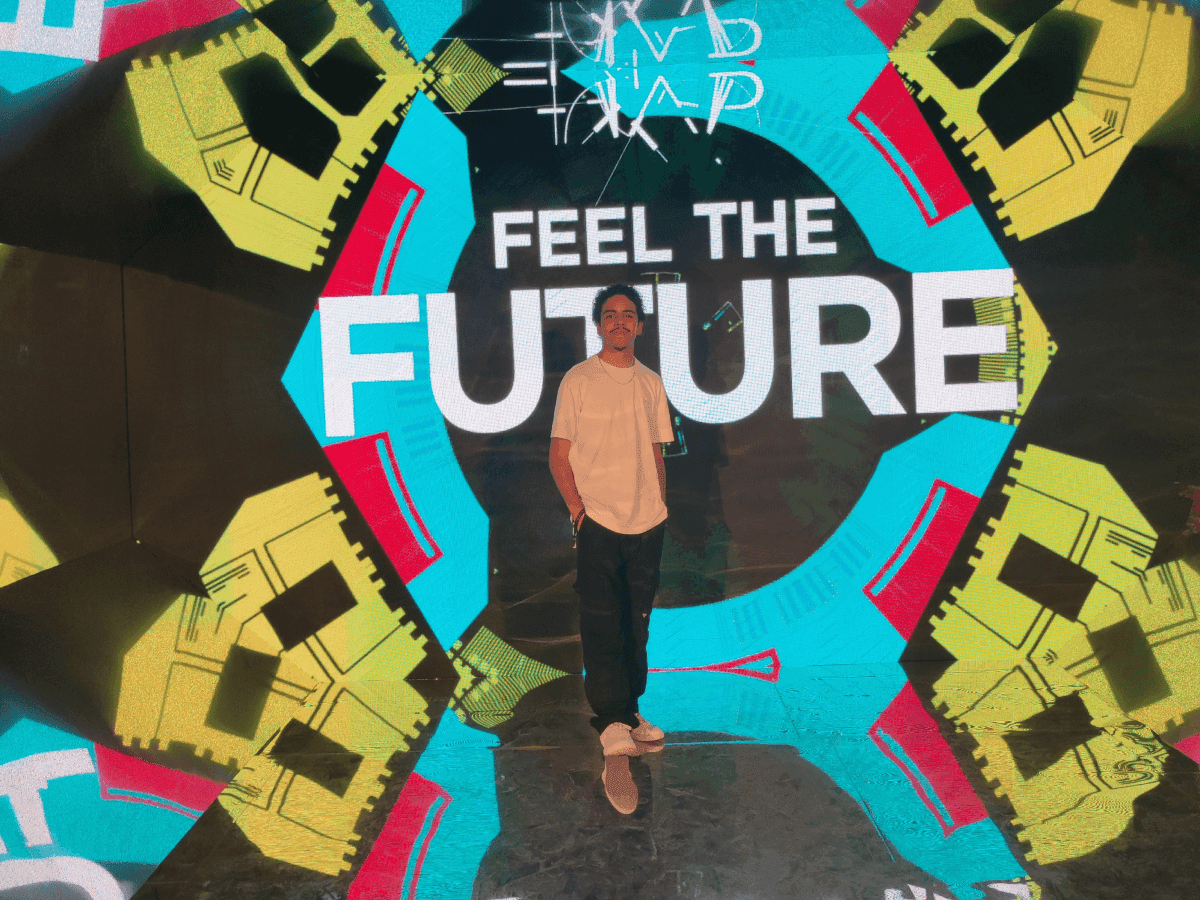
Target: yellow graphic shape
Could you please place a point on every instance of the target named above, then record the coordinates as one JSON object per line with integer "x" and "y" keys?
{"x": 1164, "y": 601}
{"x": 462, "y": 75}
{"x": 293, "y": 818}
{"x": 1131, "y": 652}
{"x": 1135, "y": 71}
{"x": 1077, "y": 510}
{"x": 190, "y": 123}
{"x": 508, "y": 675}
{"x": 1029, "y": 352}
{"x": 1136, "y": 641}
{"x": 22, "y": 550}
{"x": 345, "y": 681}
{"x": 1073, "y": 800}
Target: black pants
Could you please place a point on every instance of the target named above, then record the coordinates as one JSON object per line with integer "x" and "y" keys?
{"x": 616, "y": 580}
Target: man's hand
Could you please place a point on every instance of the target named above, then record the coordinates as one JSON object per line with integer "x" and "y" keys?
{"x": 564, "y": 476}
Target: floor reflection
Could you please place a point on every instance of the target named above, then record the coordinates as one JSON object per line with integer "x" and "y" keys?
{"x": 826, "y": 781}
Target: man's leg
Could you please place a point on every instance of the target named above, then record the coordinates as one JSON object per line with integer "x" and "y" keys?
{"x": 603, "y": 593}
{"x": 642, "y": 570}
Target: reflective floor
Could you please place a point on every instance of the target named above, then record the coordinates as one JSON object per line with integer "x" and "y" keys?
{"x": 822, "y": 782}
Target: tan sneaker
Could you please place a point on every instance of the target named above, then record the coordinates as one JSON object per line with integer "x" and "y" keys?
{"x": 645, "y": 731}
{"x": 616, "y": 741}
{"x": 622, "y": 793}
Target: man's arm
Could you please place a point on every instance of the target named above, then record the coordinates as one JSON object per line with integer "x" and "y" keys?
{"x": 564, "y": 476}
{"x": 661, "y": 468}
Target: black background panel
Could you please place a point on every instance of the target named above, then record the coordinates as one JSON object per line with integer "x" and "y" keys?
{"x": 321, "y": 760}
{"x": 309, "y": 605}
{"x": 1129, "y": 664}
{"x": 242, "y": 691}
{"x": 1042, "y": 575}
{"x": 279, "y": 117}
{"x": 1045, "y": 737}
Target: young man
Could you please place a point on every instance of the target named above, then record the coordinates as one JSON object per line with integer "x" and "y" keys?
{"x": 610, "y": 421}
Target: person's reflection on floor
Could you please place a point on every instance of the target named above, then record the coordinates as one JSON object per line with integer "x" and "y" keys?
{"x": 718, "y": 816}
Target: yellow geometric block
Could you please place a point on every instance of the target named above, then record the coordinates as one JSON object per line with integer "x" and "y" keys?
{"x": 463, "y": 75}
{"x": 1135, "y": 70}
{"x": 1077, "y": 510}
{"x": 1079, "y": 795}
{"x": 1029, "y": 350}
{"x": 22, "y": 550}
{"x": 292, "y": 817}
{"x": 343, "y": 682}
{"x": 191, "y": 123}
{"x": 1135, "y": 643}
{"x": 1164, "y": 601}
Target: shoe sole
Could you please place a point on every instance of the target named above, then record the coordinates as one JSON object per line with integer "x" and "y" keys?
{"x": 626, "y": 747}
{"x": 619, "y": 788}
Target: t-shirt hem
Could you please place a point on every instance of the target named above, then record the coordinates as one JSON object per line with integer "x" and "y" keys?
{"x": 611, "y": 526}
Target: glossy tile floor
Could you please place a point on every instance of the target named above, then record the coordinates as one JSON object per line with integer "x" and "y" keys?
{"x": 824, "y": 782}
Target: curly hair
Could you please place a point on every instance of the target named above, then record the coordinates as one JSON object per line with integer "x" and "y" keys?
{"x": 618, "y": 290}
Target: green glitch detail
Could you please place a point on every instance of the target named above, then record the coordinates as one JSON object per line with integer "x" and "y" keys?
{"x": 507, "y": 676}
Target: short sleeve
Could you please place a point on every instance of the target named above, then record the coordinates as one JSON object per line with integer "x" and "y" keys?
{"x": 566, "y": 410}
{"x": 662, "y": 415}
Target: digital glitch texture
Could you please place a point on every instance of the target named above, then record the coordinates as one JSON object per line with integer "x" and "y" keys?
{"x": 287, "y": 290}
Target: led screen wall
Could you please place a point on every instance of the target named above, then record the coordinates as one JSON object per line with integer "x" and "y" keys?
{"x": 287, "y": 291}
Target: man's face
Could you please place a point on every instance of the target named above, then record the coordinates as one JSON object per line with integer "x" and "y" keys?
{"x": 619, "y": 323}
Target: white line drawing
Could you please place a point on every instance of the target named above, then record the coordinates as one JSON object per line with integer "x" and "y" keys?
{"x": 30, "y": 34}
{"x": 23, "y": 780}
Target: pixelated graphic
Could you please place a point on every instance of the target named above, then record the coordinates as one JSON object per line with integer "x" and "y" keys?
{"x": 1065, "y": 567}
{"x": 1098, "y": 759}
{"x": 289, "y": 596}
{"x": 293, "y": 652}
{"x": 75, "y": 802}
{"x": 890, "y": 121}
{"x": 905, "y": 583}
{"x": 1048, "y": 108}
{"x": 502, "y": 675}
{"x": 1062, "y": 590}
{"x": 24, "y": 552}
{"x": 393, "y": 866}
{"x": 267, "y": 144}
{"x": 906, "y": 734}
{"x": 366, "y": 262}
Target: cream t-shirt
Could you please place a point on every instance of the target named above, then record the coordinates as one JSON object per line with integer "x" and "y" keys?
{"x": 615, "y": 419}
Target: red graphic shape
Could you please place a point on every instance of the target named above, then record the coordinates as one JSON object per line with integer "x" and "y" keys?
{"x": 740, "y": 667}
{"x": 888, "y": 108}
{"x": 885, "y": 18}
{"x": 132, "y": 23}
{"x": 903, "y": 599}
{"x": 137, "y": 781}
{"x": 360, "y": 466}
{"x": 1190, "y": 746}
{"x": 749, "y": 62}
{"x": 359, "y": 262}
{"x": 1193, "y": 521}
{"x": 382, "y": 876}
{"x": 925, "y": 751}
